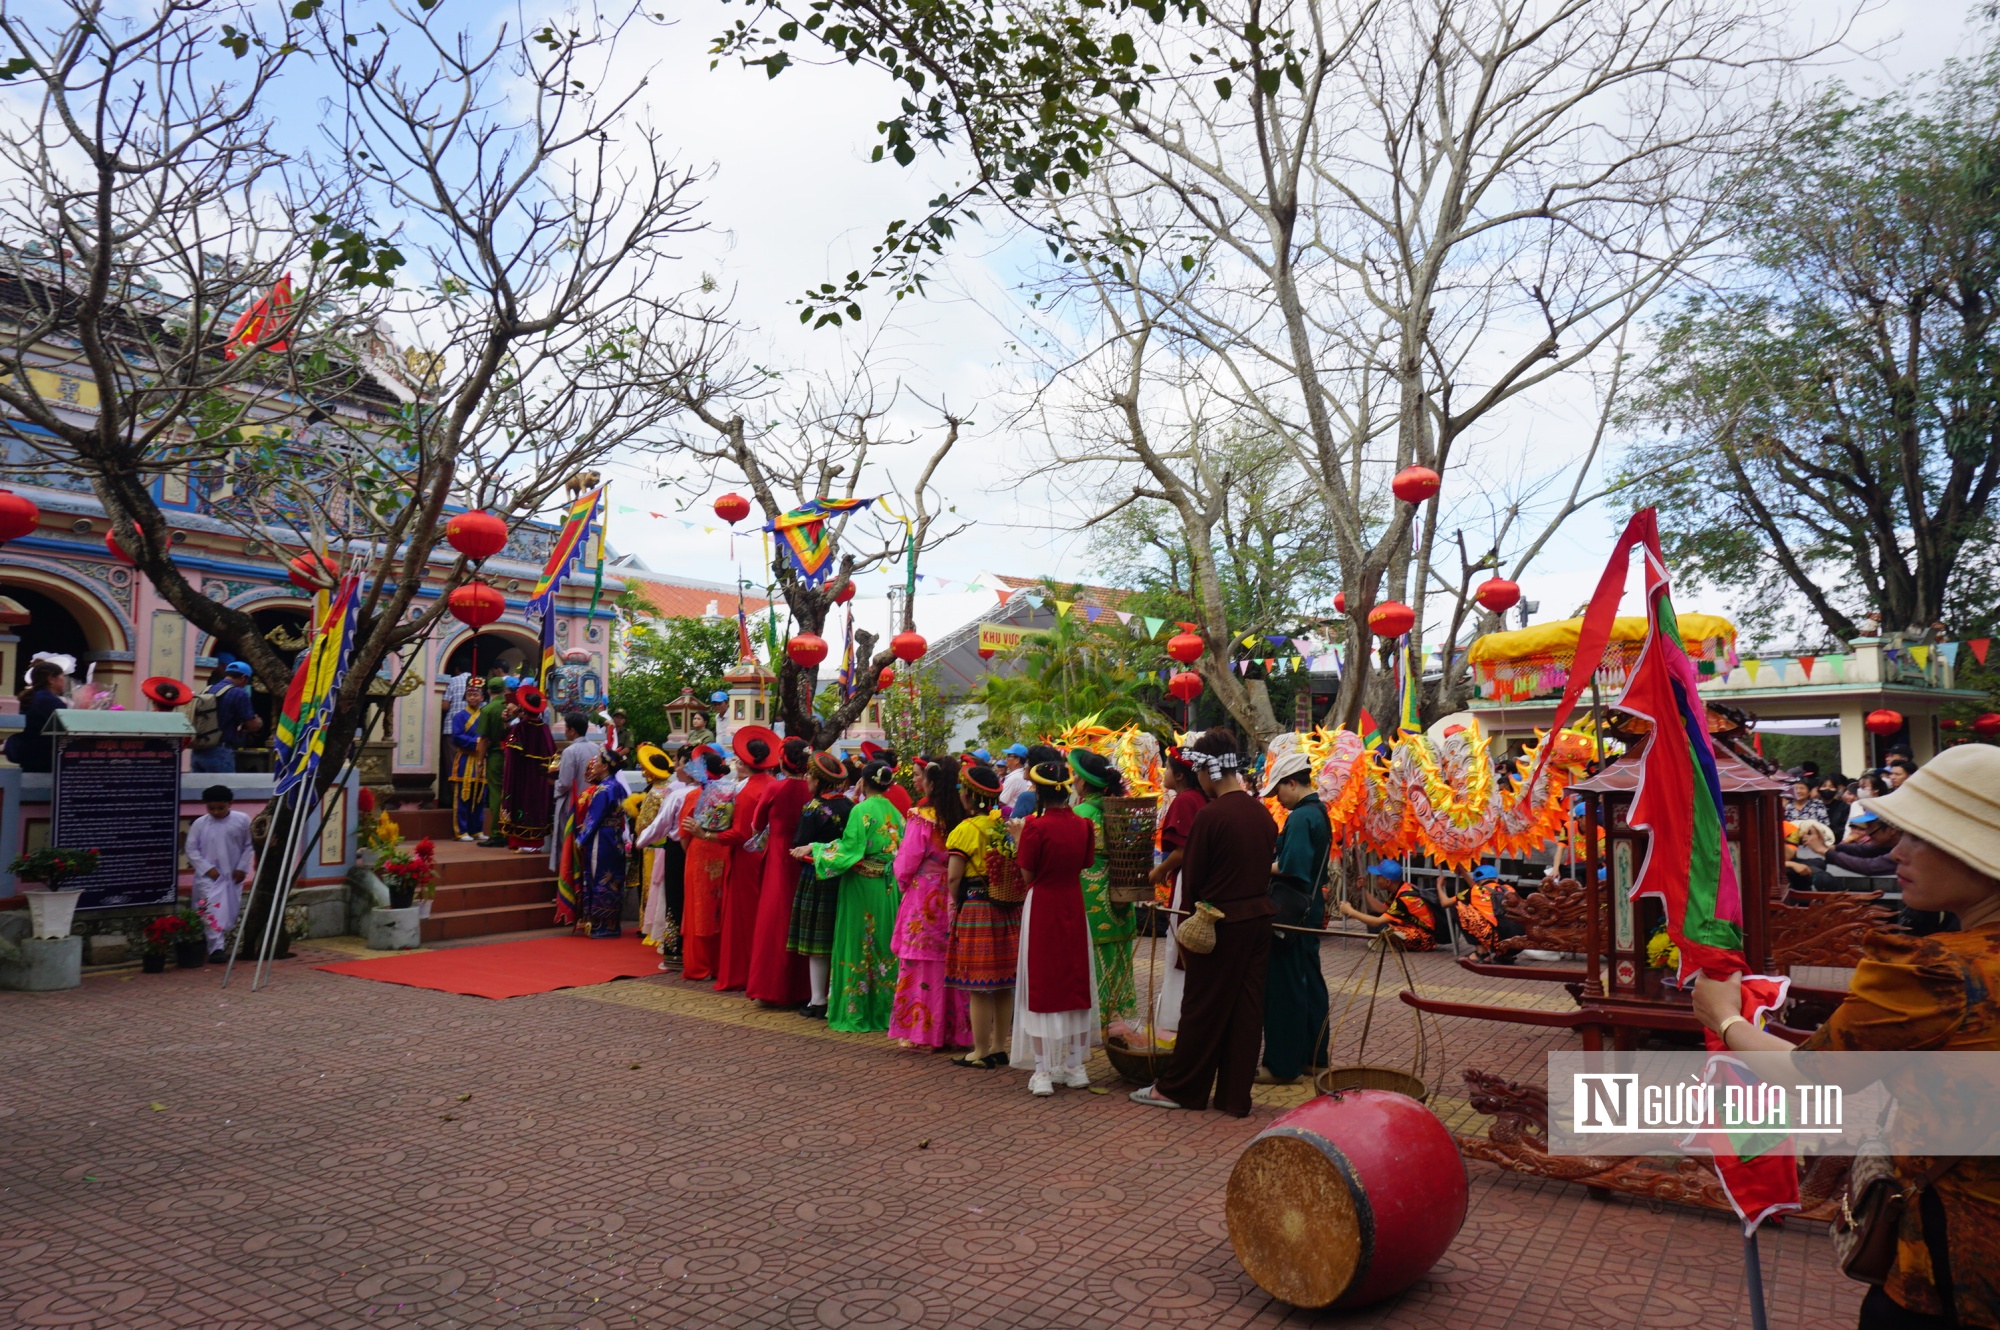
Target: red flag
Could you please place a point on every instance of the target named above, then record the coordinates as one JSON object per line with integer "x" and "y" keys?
{"x": 1807, "y": 662}
{"x": 1979, "y": 645}
{"x": 264, "y": 319}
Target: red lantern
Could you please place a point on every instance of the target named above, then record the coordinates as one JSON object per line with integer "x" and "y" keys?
{"x": 909, "y": 646}
{"x": 18, "y": 516}
{"x": 806, "y": 650}
{"x": 886, "y": 678}
{"x": 1884, "y": 722}
{"x": 732, "y": 508}
{"x": 1186, "y": 647}
{"x": 1414, "y": 484}
{"x": 846, "y": 593}
{"x": 1392, "y": 618}
{"x": 1340, "y": 602}
{"x": 312, "y": 572}
{"x": 1498, "y": 594}
{"x": 478, "y": 536}
{"x": 1987, "y": 725}
{"x": 1186, "y": 685}
{"x": 114, "y": 549}
{"x": 476, "y": 604}
{"x": 986, "y": 653}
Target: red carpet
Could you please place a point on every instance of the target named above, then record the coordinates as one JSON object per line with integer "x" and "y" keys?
{"x": 511, "y": 969}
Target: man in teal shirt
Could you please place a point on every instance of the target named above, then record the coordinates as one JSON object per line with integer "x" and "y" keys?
{"x": 492, "y": 732}
{"x": 1295, "y": 998}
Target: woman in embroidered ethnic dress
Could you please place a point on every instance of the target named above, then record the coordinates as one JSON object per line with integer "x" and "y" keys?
{"x": 926, "y": 1013}
{"x": 985, "y": 934}
{"x": 816, "y": 899}
{"x": 600, "y": 849}
{"x": 707, "y": 864}
{"x": 863, "y": 987}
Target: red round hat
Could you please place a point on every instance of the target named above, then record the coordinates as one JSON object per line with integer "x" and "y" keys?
{"x": 530, "y": 698}
{"x": 773, "y": 746}
{"x": 167, "y": 692}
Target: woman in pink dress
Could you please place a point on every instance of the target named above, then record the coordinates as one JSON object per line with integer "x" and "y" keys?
{"x": 778, "y": 976}
{"x": 927, "y": 1013}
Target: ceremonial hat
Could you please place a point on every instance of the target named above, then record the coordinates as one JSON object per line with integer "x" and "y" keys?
{"x": 530, "y": 698}
{"x": 631, "y": 805}
{"x": 165, "y": 691}
{"x": 653, "y": 760}
{"x": 1093, "y": 768}
{"x": 756, "y": 747}
{"x": 1053, "y": 775}
{"x": 827, "y": 767}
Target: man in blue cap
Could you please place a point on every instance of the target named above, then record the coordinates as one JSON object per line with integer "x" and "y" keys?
{"x": 1015, "y": 783}
{"x": 226, "y": 724}
{"x": 1411, "y": 915}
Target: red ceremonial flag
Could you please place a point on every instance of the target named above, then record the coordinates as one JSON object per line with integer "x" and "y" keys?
{"x": 1979, "y": 645}
{"x": 1807, "y": 662}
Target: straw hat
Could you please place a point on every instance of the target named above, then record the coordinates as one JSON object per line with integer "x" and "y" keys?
{"x": 1953, "y": 801}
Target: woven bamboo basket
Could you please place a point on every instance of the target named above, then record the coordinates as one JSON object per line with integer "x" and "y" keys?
{"x": 1003, "y": 879}
{"x": 1134, "y": 1066}
{"x": 1335, "y": 1079}
{"x": 1128, "y": 847}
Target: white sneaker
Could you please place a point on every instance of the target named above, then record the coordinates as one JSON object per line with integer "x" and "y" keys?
{"x": 1040, "y": 1084}
{"x": 1076, "y": 1078}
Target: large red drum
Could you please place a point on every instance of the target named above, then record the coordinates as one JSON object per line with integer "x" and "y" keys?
{"x": 1346, "y": 1200}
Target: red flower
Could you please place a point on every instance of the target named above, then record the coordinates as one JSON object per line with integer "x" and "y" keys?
{"x": 366, "y": 801}
{"x": 426, "y": 848}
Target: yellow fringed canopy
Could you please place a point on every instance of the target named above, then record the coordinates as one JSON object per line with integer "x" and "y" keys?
{"x": 1557, "y": 641}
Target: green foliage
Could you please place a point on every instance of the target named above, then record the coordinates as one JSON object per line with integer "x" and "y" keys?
{"x": 663, "y": 657}
{"x": 1074, "y": 670}
{"x": 1831, "y": 417}
{"x": 915, "y": 715}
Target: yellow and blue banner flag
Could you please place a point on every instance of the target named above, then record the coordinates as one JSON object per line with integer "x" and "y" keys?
{"x": 581, "y": 537}
{"x": 300, "y": 735}
{"x": 803, "y": 530}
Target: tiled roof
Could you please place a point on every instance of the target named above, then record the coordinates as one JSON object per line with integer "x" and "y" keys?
{"x": 689, "y": 599}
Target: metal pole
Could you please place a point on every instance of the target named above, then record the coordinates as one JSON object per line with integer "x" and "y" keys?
{"x": 243, "y": 911}
{"x": 293, "y": 863}
{"x": 1753, "y": 1272}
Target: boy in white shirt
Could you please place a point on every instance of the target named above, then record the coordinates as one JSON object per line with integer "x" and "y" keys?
{"x": 219, "y": 851}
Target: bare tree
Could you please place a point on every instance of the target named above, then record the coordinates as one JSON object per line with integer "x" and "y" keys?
{"x": 825, "y": 443}
{"x": 159, "y": 199}
{"x": 1391, "y": 223}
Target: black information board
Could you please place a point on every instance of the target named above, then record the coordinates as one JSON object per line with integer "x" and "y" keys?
{"x": 121, "y": 796}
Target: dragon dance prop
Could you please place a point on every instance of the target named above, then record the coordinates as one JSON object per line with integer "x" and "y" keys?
{"x": 1134, "y": 752}
{"x": 1440, "y": 797}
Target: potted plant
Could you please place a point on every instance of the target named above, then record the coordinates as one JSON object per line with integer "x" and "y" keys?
{"x": 161, "y": 933}
{"x": 409, "y": 876}
{"x": 52, "y": 908}
{"x": 190, "y": 942}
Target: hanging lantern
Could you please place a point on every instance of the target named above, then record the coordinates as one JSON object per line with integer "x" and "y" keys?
{"x": 1340, "y": 602}
{"x": 806, "y": 650}
{"x": 1186, "y": 647}
{"x": 886, "y": 679}
{"x": 1884, "y": 722}
{"x": 476, "y": 604}
{"x": 1414, "y": 484}
{"x": 732, "y": 508}
{"x": 1392, "y": 618}
{"x": 846, "y": 593}
{"x": 909, "y": 646}
{"x": 114, "y": 549}
{"x": 1987, "y": 725}
{"x": 1498, "y": 594}
{"x": 1186, "y": 685}
{"x": 312, "y": 572}
{"x": 986, "y": 653}
{"x": 18, "y": 516}
{"x": 478, "y": 536}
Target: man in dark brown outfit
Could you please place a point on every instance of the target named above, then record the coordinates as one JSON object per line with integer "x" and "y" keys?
{"x": 1228, "y": 864}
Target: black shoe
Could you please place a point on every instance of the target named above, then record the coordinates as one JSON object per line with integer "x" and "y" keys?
{"x": 218, "y": 957}
{"x": 813, "y": 1013}
{"x": 493, "y": 843}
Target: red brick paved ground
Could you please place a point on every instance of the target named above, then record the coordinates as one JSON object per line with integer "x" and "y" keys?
{"x": 334, "y": 1152}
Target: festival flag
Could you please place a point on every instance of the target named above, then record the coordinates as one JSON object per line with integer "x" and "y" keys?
{"x": 1371, "y": 736}
{"x": 548, "y": 665}
{"x": 1922, "y": 655}
{"x": 264, "y": 319}
{"x": 1153, "y": 626}
{"x": 1062, "y": 607}
{"x": 1687, "y": 867}
{"x": 1979, "y": 645}
{"x": 847, "y": 658}
{"x": 803, "y": 531}
{"x": 1806, "y": 663}
{"x": 572, "y": 543}
{"x": 300, "y": 737}
{"x": 1949, "y": 650}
